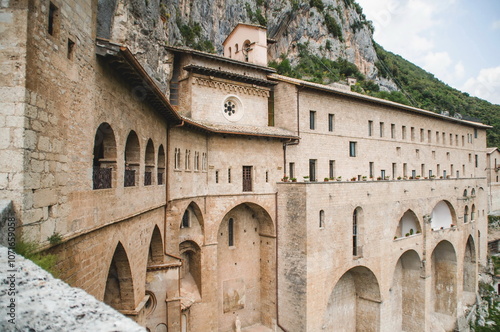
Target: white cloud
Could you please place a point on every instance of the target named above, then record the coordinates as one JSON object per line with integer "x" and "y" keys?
{"x": 486, "y": 85}
{"x": 495, "y": 25}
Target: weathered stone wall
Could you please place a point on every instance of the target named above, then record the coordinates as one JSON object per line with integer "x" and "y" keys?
{"x": 329, "y": 248}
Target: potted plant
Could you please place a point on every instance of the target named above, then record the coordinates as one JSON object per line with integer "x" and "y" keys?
{"x": 332, "y": 179}
{"x": 395, "y": 237}
{"x": 294, "y": 179}
{"x": 364, "y": 178}
{"x": 326, "y": 179}
{"x": 407, "y": 234}
{"x": 441, "y": 177}
{"x": 411, "y": 231}
{"x": 306, "y": 178}
{"x": 379, "y": 178}
{"x": 339, "y": 178}
{"x": 284, "y": 179}
{"x": 353, "y": 178}
{"x": 448, "y": 176}
{"x": 418, "y": 177}
{"x": 386, "y": 177}
{"x": 433, "y": 176}
{"x": 399, "y": 178}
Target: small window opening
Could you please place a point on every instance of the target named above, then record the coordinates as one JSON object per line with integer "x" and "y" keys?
{"x": 53, "y": 19}
{"x": 230, "y": 230}
{"x": 71, "y": 49}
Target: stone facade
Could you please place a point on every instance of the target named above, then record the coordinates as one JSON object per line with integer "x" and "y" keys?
{"x": 174, "y": 205}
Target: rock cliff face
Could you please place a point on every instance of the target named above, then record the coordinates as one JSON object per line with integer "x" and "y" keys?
{"x": 330, "y": 28}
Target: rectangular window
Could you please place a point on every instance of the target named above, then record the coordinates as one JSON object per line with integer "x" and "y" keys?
{"x": 438, "y": 169}
{"x": 267, "y": 176}
{"x": 371, "y": 169}
{"x": 405, "y": 170}
{"x": 247, "y": 178}
{"x": 412, "y": 130}
{"x": 270, "y": 109}
{"x": 451, "y": 169}
{"x": 216, "y": 176}
{"x": 382, "y": 174}
{"x": 394, "y": 170}
{"x": 422, "y": 135}
{"x": 451, "y": 139}
{"x": 429, "y": 136}
{"x": 444, "y": 174}
{"x": 456, "y": 140}
{"x": 352, "y": 149}
{"x": 463, "y": 140}
{"x": 381, "y": 129}
{"x": 332, "y": 169}
{"x": 444, "y": 139}
{"x": 312, "y": 120}
{"x": 433, "y": 154}
{"x": 53, "y": 24}
{"x": 291, "y": 170}
{"x": 430, "y": 173}
{"x": 331, "y": 122}
{"x": 417, "y": 153}
{"x": 403, "y": 132}
{"x": 393, "y": 130}
{"x": 476, "y": 160}
{"x": 475, "y": 132}
{"x": 398, "y": 151}
{"x": 470, "y": 157}
{"x": 437, "y": 136}
{"x": 228, "y": 175}
{"x": 370, "y": 128}
{"x": 422, "y": 169}
{"x": 413, "y": 173}
{"x": 312, "y": 169}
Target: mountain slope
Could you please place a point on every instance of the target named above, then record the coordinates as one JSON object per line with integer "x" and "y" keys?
{"x": 425, "y": 91}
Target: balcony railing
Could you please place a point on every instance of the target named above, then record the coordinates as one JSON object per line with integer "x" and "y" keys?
{"x": 102, "y": 178}
{"x": 129, "y": 180}
{"x": 160, "y": 178}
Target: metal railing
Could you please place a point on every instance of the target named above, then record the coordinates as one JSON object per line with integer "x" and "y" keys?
{"x": 102, "y": 178}
{"x": 129, "y": 180}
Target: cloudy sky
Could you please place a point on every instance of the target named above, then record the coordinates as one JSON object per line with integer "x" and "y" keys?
{"x": 456, "y": 40}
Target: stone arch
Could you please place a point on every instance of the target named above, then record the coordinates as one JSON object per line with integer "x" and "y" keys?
{"x": 149, "y": 163}
{"x": 469, "y": 273}
{"x": 104, "y": 160}
{"x": 443, "y": 215}
{"x": 191, "y": 222}
{"x": 354, "y": 302}
{"x": 155, "y": 253}
{"x": 408, "y": 293}
{"x": 408, "y": 224}
{"x": 191, "y": 286}
{"x": 132, "y": 160}
{"x": 444, "y": 279}
{"x": 161, "y": 165}
{"x": 246, "y": 269}
{"x": 119, "y": 291}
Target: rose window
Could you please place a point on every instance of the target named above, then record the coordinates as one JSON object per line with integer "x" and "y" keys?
{"x": 232, "y": 108}
{"x": 229, "y": 108}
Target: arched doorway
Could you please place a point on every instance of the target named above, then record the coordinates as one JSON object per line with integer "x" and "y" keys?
{"x": 246, "y": 261}
{"x": 119, "y": 292}
{"x": 104, "y": 161}
{"x": 354, "y": 304}
{"x": 408, "y": 293}
{"x": 444, "y": 283}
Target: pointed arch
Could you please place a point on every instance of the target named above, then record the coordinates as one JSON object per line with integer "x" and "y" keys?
{"x": 354, "y": 302}
{"x": 469, "y": 273}
{"x": 408, "y": 224}
{"x": 155, "y": 252}
{"x": 246, "y": 265}
{"x": 443, "y": 215}
{"x": 408, "y": 293}
{"x": 444, "y": 278}
{"x": 119, "y": 291}
{"x": 191, "y": 217}
{"x": 104, "y": 160}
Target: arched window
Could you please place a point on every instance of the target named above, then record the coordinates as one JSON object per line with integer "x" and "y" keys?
{"x": 321, "y": 219}
{"x": 473, "y": 213}
{"x": 465, "y": 193}
{"x": 149, "y": 163}
{"x": 473, "y": 192}
{"x": 230, "y": 52}
{"x": 161, "y": 165}
{"x": 177, "y": 158}
{"x": 104, "y": 161}
{"x": 185, "y": 220}
{"x": 230, "y": 226}
{"x": 132, "y": 158}
{"x": 355, "y": 233}
{"x": 466, "y": 214}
